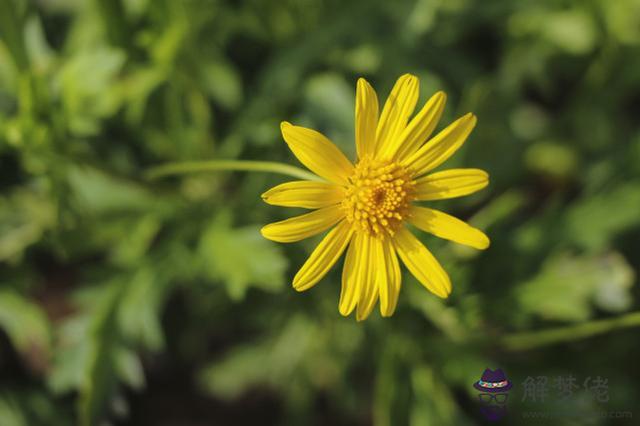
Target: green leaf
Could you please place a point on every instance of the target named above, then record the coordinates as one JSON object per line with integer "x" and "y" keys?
{"x": 140, "y": 309}
{"x": 595, "y": 220}
{"x": 129, "y": 367}
{"x": 99, "y": 376}
{"x": 69, "y": 365}
{"x": 133, "y": 246}
{"x": 270, "y": 362}
{"x": 97, "y": 192}
{"x": 228, "y": 254}
{"x": 11, "y": 413}
{"x": 222, "y": 83}
{"x": 553, "y": 159}
{"x": 330, "y": 99}
{"x": 433, "y": 407}
{"x": 24, "y": 217}
{"x": 97, "y": 357}
{"x": 604, "y": 280}
{"x": 27, "y": 326}
{"x": 572, "y": 30}
{"x": 88, "y": 82}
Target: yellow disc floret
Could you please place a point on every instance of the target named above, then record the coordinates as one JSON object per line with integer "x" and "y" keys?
{"x": 378, "y": 196}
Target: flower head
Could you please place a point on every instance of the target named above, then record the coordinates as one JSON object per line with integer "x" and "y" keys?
{"x": 369, "y": 203}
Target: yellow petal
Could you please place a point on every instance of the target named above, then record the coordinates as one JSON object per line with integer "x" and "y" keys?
{"x": 450, "y": 184}
{"x": 372, "y": 261}
{"x": 317, "y": 153}
{"x": 421, "y": 263}
{"x": 366, "y": 118}
{"x": 441, "y": 147}
{"x": 390, "y": 280}
{"x": 303, "y": 226}
{"x": 397, "y": 110}
{"x": 418, "y": 130}
{"x": 448, "y": 227}
{"x": 323, "y": 257}
{"x": 350, "y": 277}
{"x": 305, "y": 194}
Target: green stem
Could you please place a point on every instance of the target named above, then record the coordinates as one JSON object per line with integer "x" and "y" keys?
{"x": 219, "y": 165}
{"x": 534, "y": 339}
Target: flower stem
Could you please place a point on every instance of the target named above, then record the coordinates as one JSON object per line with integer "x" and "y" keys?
{"x": 534, "y": 339}
{"x": 220, "y": 165}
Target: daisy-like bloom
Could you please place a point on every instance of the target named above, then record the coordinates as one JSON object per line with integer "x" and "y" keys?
{"x": 369, "y": 203}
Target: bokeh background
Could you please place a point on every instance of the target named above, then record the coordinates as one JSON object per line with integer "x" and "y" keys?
{"x": 126, "y": 301}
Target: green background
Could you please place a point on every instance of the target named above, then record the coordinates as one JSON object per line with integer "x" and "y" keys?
{"x": 134, "y": 302}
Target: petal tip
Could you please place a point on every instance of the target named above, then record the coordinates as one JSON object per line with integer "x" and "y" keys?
{"x": 285, "y": 125}
{"x": 439, "y": 100}
{"x": 408, "y": 80}
{"x": 345, "y": 310}
{"x": 443, "y": 294}
{"x": 483, "y": 180}
{"x": 485, "y": 243}
{"x": 471, "y": 117}
{"x": 408, "y": 76}
{"x": 360, "y": 318}
{"x": 265, "y": 231}
{"x": 444, "y": 289}
{"x": 297, "y": 285}
{"x": 386, "y": 313}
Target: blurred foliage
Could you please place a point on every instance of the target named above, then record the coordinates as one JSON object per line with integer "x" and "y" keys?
{"x": 124, "y": 301}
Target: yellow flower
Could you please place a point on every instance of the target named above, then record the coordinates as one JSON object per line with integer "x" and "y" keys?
{"x": 369, "y": 203}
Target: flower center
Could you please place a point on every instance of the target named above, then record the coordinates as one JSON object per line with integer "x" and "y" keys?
{"x": 378, "y": 196}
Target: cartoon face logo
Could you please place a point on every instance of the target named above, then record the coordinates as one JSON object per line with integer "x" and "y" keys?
{"x": 494, "y": 392}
